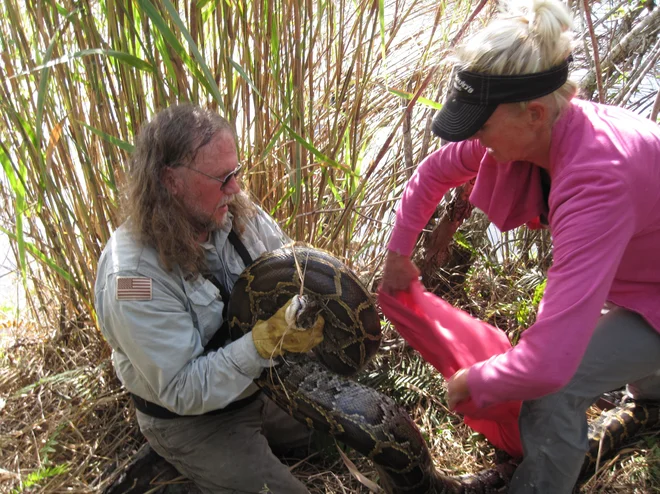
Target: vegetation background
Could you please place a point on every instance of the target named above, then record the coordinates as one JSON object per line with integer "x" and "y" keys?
{"x": 332, "y": 102}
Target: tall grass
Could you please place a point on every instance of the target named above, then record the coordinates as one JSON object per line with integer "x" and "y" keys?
{"x": 331, "y": 102}
{"x": 320, "y": 93}
{"x": 313, "y": 88}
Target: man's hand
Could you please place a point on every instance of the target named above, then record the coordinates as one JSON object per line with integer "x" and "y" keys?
{"x": 283, "y": 332}
{"x": 457, "y": 388}
{"x": 399, "y": 272}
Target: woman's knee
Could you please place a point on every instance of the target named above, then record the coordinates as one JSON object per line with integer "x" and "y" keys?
{"x": 558, "y": 420}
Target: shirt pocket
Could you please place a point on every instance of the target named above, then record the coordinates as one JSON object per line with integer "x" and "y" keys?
{"x": 207, "y": 305}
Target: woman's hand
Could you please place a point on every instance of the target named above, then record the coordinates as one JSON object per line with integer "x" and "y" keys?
{"x": 457, "y": 388}
{"x": 399, "y": 272}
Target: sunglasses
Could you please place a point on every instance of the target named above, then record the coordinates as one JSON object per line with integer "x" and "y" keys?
{"x": 224, "y": 180}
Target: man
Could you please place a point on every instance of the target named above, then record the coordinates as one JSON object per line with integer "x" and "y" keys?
{"x": 162, "y": 284}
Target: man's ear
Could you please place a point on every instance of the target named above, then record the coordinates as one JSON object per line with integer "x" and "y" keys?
{"x": 171, "y": 180}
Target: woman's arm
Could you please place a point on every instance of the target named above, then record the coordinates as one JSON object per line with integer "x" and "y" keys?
{"x": 448, "y": 167}
{"x": 592, "y": 222}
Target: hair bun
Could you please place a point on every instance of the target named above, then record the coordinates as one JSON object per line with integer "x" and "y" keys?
{"x": 549, "y": 18}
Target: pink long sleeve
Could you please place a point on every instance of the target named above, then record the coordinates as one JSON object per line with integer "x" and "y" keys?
{"x": 450, "y": 166}
{"x": 592, "y": 225}
{"x": 604, "y": 215}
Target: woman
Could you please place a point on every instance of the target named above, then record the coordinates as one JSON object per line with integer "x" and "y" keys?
{"x": 591, "y": 173}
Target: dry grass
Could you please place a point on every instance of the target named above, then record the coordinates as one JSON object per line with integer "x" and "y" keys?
{"x": 63, "y": 411}
{"x": 67, "y": 425}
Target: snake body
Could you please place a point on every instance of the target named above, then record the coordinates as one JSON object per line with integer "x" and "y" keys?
{"x": 317, "y": 390}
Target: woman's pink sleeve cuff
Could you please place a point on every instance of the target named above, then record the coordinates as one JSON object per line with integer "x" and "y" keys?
{"x": 403, "y": 240}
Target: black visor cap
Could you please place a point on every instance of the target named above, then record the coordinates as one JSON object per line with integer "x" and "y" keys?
{"x": 475, "y": 96}
{"x": 458, "y": 121}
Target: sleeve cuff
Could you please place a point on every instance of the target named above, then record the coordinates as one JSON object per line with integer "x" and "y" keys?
{"x": 474, "y": 381}
{"x": 245, "y": 356}
{"x": 403, "y": 240}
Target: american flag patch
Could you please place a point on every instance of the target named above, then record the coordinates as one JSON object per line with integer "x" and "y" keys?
{"x": 133, "y": 288}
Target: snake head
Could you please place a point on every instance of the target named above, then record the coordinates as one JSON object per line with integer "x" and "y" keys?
{"x": 303, "y": 311}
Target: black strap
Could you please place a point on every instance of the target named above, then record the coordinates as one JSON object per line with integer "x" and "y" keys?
{"x": 240, "y": 248}
{"x": 221, "y": 335}
{"x": 545, "y": 188}
{"x": 154, "y": 410}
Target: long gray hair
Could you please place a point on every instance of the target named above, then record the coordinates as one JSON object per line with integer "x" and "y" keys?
{"x": 172, "y": 139}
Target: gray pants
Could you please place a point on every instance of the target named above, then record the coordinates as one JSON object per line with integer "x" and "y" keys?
{"x": 231, "y": 452}
{"x": 624, "y": 349}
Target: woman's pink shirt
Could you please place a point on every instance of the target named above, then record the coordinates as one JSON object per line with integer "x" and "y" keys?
{"x": 604, "y": 216}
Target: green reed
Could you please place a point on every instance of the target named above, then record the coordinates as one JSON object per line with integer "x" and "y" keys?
{"x": 314, "y": 88}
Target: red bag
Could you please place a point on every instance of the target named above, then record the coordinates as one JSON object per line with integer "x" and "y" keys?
{"x": 451, "y": 339}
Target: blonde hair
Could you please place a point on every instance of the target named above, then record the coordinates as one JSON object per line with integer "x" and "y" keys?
{"x": 526, "y": 37}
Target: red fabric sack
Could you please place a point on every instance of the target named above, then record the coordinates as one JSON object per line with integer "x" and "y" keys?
{"x": 450, "y": 339}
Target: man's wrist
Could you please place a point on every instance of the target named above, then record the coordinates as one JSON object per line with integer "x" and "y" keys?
{"x": 243, "y": 352}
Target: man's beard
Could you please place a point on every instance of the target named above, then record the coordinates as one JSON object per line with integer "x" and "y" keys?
{"x": 202, "y": 222}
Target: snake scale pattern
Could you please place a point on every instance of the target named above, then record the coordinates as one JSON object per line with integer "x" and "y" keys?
{"x": 317, "y": 390}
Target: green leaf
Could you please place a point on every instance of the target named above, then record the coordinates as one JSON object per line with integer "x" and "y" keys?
{"x": 121, "y": 144}
{"x": 381, "y": 19}
{"x": 334, "y": 190}
{"x": 18, "y": 188}
{"x": 244, "y": 75}
{"x": 271, "y": 144}
{"x": 62, "y": 377}
{"x": 208, "y": 80}
{"x": 61, "y": 9}
{"x": 424, "y": 101}
{"x": 124, "y": 57}
{"x": 538, "y": 292}
{"x": 205, "y": 78}
{"x": 203, "y": 3}
{"x": 282, "y": 200}
{"x": 37, "y": 254}
{"x": 319, "y": 155}
{"x": 460, "y": 239}
{"x": 43, "y": 473}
